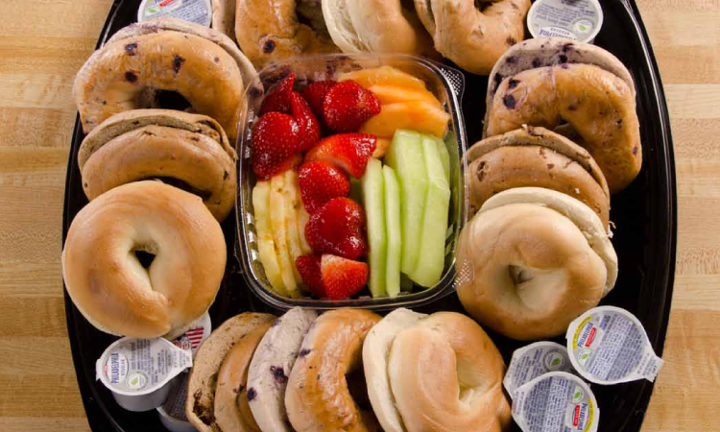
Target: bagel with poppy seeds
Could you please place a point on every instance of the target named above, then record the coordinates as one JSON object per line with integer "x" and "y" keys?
{"x": 576, "y": 89}
{"x": 535, "y": 156}
{"x": 144, "y": 60}
{"x": 471, "y": 33}
{"x": 531, "y": 261}
{"x": 268, "y": 30}
{"x": 187, "y": 150}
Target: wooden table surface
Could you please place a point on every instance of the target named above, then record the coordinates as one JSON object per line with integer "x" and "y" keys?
{"x": 42, "y": 45}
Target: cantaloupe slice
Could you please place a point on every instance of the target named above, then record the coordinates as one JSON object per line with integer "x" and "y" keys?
{"x": 388, "y": 94}
{"x": 386, "y": 75}
{"x": 422, "y": 117}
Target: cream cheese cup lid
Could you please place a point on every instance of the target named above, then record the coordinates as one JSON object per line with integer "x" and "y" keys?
{"x": 608, "y": 345}
{"x": 579, "y": 20}
{"x": 136, "y": 367}
{"x": 197, "y": 11}
{"x": 556, "y": 402}
{"x": 195, "y": 335}
{"x": 534, "y": 360}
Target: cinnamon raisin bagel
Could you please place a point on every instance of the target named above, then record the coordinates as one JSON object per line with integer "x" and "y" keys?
{"x": 535, "y": 156}
{"x": 189, "y": 150}
{"x": 532, "y": 260}
{"x": 471, "y": 33}
{"x": 269, "y": 30}
{"x": 141, "y": 61}
{"x": 114, "y": 290}
{"x": 572, "y": 88}
{"x": 318, "y": 396}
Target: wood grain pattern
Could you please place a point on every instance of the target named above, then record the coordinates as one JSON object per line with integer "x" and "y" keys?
{"x": 43, "y": 45}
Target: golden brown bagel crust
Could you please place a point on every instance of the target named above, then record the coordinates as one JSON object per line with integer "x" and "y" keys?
{"x": 196, "y": 160}
{"x": 269, "y": 30}
{"x": 317, "y": 396}
{"x": 203, "y": 381}
{"x": 116, "y": 76}
{"x": 434, "y": 358}
{"x": 597, "y": 104}
{"x": 531, "y": 271}
{"x": 108, "y": 284}
{"x": 223, "y": 17}
{"x": 232, "y": 412}
{"x": 474, "y": 40}
{"x": 536, "y": 157}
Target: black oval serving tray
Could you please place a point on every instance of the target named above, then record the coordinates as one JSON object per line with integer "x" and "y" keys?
{"x": 645, "y": 238}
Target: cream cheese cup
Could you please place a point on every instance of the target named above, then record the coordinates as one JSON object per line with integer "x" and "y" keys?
{"x": 534, "y": 360}
{"x": 172, "y": 411}
{"x": 579, "y": 20}
{"x": 608, "y": 345}
{"x": 138, "y": 372}
{"x": 556, "y": 402}
{"x": 197, "y": 11}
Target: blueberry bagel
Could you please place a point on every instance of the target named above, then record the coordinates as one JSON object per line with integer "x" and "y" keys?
{"x": 535, "y": 156}
{"x": 141, "y": 63}
{"x": 187, "y": 150}
{"x": 217, "y": 397}
{"x": 576, "y": 89}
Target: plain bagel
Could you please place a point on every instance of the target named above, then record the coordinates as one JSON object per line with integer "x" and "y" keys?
{"x": 586, "y": 92}
{"x": 108, "y": 283}
{"x": 532, "y": 260}
{"x": 189, "y": 150}
{"x": 268, "y": 30}
{"x": 474, "y": 34}
{"x": 376, "y": 26}
{"x": 535, "y": 156}
{"x": 215, "y": 386}
{"x": 164, "y": 55}
{"x": 318, "y": 396}
{"x": 446, "y": 374}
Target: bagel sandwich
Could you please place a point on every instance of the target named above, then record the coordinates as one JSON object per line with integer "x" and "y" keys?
{"x": 576, "y": 89}
{"x": 190, "y": 151}
{"x": 146, "y": 64}
{"x": 537, "y": 157}
{"x": 217, "y": 397}
{"x": 532, "y": 260}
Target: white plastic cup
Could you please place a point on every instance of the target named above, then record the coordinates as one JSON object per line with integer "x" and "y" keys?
{"x": 579, "y": 20}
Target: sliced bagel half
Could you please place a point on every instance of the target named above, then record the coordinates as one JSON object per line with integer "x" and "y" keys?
{"x": 190, "y": 151}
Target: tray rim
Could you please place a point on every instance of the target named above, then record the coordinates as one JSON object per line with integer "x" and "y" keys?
{"x": 97, "y": 420}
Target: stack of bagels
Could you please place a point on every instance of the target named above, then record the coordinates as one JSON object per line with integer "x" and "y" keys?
{"x": 561, "y": 135}
{"x": 470, "y": 33}
{"x": 146, "y": 257}
{"x": 348, "y": 369}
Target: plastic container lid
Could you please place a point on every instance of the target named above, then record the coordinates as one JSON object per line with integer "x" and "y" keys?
{"x": 138, "y": 371}
{"x": 608, "y": 345}
{"x": 534, "y": 360}
{"x": 556, "y": 402}
{"x": 197, "y": 11}
{"x": 579, "y": 20}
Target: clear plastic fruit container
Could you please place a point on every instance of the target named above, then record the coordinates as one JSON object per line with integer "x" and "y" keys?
{"x": 446, "y": 83}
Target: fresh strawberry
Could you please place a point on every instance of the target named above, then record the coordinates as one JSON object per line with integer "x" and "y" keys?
{"x": 347, "y": 105}
{"x": 348, "y": 151}
{"x": 342, "y": 277}
{"x": 331, "y": 276}
{"x": 315, "y": 93}
{"x": 307, "y": 123}
{"x": 320, "y": 182}
{"x": 275, "y": 139}
{"x": 338, "y": 227}
{"x": 278, "y": 100}
{"x": 309, "y": 268}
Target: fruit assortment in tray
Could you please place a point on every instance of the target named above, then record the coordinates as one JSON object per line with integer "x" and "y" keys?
{"x": 357, "y": 198}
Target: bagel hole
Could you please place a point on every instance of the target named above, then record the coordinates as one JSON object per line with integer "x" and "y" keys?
{"x": 171, "y": 100}
{"x": 145, "y": 258}
{"x": 358, "y": 388}
{"x": 481, "y": 5}
{"x": 309, "y": 13}
{"x": 519, "y": 275}
{"x": 180, "y": 184}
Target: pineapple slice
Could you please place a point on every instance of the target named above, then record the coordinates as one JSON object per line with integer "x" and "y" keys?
{"x": 280, "y": 234}
{"x": 265, "y": 242}
{"x": 291, "y": 195}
